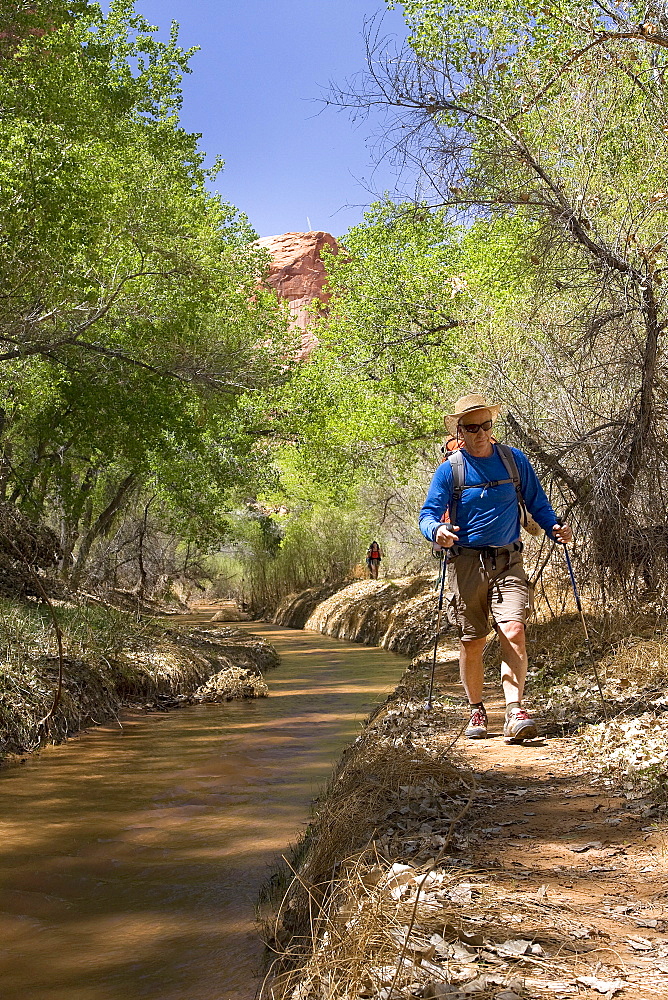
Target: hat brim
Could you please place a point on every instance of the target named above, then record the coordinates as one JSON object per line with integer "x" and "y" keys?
{"x": 453, "y": 419}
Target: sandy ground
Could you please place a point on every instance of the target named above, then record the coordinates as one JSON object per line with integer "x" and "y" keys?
{"x": 547, "y": 831}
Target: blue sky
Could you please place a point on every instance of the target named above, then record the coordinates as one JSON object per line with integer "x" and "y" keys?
{"x": 254, "y": 95}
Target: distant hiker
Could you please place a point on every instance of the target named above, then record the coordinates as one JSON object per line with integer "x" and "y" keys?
{"x": 485, "y": 485}
{"x": 373, "y": 557}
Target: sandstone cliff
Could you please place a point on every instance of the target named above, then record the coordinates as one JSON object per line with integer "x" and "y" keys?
{"x": 297, "y": 273}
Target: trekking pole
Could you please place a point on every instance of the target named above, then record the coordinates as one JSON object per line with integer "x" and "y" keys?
{"x": 585, "y": 629}
{"x": 444, "y": 562}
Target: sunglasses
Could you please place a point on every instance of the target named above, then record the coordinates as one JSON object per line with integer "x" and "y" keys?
{"x": 474, "y": 428}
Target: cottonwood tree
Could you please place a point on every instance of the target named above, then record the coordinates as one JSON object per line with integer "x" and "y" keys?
{"x": 133, "y": 331}
{"x": 112, "y": 245}
{"x": 552, "y": 121}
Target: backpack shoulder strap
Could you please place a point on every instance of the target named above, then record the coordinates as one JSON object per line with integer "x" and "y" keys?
{"x": 508, "y": 459}
{"x": 456, "y": 460}
{"x": 510, "y": 465}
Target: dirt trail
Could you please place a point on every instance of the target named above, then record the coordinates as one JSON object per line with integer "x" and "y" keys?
{"x": 547, "y": 831}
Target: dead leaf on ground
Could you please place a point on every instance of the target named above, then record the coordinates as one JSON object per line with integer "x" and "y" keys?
{"x": 639, "y": 943}
{"x": 513, "y": 949}
{"x": 607, "y": 986}
{"x": 434, "y": 991}
{"x": 592, "y": 845}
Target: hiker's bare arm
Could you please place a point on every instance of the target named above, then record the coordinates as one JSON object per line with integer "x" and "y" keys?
{"x": 445, "y": 536}
{"x": 563, "y": 533}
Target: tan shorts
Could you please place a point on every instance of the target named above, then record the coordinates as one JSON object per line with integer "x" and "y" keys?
{"x": 487, "y": 581}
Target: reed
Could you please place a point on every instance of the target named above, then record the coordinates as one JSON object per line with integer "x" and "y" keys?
{"x": 320, "y": 547}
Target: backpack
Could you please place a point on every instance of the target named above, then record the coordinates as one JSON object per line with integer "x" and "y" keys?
{"x": 456, "y": 460}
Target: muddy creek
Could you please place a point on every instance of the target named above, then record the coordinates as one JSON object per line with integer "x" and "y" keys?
{"x": 131, "y": 859}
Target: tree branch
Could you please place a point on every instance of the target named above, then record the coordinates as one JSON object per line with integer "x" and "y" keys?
{"x": 580, "y": 488}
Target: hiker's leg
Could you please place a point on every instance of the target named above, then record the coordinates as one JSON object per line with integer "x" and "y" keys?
{"x": 512, "y": 638}
{"x": 471, "y": 668}
{"x": 510, "y": 607}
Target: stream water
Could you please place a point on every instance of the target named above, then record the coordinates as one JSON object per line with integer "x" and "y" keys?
{"x": 131, "y": 859}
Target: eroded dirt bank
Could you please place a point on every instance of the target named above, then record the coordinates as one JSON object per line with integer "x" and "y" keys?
{"x": 473, "y": 868}
{"x": 149, "y": 664}
{"x": 396, "y": 614}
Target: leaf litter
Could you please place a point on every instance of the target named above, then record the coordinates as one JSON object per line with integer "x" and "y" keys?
{"x": 383, "y": 906}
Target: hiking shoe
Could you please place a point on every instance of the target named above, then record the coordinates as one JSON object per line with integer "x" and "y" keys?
{"x": 477, "y": 727}
{"x": 520, "y": 726}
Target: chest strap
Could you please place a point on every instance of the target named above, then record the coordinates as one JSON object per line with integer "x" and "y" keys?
{"x": 457, "y": 464}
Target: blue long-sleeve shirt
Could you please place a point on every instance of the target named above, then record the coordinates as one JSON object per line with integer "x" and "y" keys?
{"x": 486, "y": 516}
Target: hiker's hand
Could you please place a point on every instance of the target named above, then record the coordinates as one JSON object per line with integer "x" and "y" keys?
{"x": 563, "y": 533}
{"x": 445, "y": 536}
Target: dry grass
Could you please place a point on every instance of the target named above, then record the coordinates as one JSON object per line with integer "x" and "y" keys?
{"x": 392, "y": 931}
{"x": 397, "y": 614}
{"x": 638, "y": 659}
{"x": 630, "y": 750}
{"x": 615, "y": 633}
{"x": 110, "y": 659}
{"x": 390, "y": 786}
{"x": 630, "y": 652}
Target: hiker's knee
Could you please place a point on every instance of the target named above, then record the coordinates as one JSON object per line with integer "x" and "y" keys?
{"x": 472, "y": 649}
{"x": 513, "y": 632}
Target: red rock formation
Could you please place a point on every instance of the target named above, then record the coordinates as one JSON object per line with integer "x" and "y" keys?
{"x": 20, "y": 25}
{"x": 298, "y": 275}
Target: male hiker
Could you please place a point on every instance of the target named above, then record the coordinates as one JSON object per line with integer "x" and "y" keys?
{"x": 486, "y": 575}
{"x": 373, "y": 557}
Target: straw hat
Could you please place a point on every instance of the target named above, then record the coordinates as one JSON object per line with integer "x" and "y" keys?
{"x": 467, "y": 404}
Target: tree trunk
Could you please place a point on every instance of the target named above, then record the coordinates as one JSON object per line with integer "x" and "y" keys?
{"x": 645, "y": 411}
{"x": 101, "y": 527}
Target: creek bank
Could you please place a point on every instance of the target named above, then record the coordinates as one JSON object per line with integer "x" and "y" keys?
{"x": 396, "y": 614}
{"x": 435, "y": 867}
{"x": 296, "y": 609}
{"x": 113, "y": 660}
{"x": 629, "y": 751}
